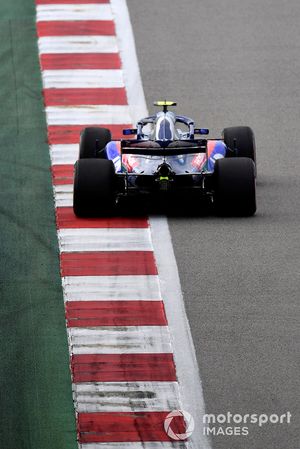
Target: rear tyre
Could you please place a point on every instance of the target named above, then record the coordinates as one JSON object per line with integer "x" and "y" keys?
{"x": 92, "y": 141}
{"x": 94, "y": 188}
{"x": 245, "y": 142}
{"x": 235, "y": 193}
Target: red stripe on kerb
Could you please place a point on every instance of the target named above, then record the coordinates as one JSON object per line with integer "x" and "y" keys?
{"x": 126, "y": 426}
{"x": 76, "y": 28}
{"x": 115, "y": 313}
{"x": 66, "y": 218}
{"x": 106, "y": 263}
{"x": 123, "y": 368}
{"x": 65, "y": 61}
{"x": 65, "y": 2}
{"x": 71, "y": 97}
{"x": 64, "y": 134}
{"x": 62, "y": 174}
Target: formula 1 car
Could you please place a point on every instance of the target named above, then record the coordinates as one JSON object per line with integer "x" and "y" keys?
{"x": 162, "y": 157}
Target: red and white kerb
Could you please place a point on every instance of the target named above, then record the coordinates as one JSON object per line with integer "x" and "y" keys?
{"x": 123, "y": 372}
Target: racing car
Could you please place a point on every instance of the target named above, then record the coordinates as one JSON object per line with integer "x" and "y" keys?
{"x": 166, "y": 156}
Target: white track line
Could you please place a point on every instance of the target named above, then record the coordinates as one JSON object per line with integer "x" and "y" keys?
{"x": 78, "y": 44}
{"x": 125, "y": 396}
{"x": 106, "y": 114}
{"x": 111, "y": 288}
{"x": 120, "y": 340}
{"x": 66, "y": 79}
{"x": 74, "y": 12}
{"x": 104, "y": 239}
{"x": 131, "y": 71}
{"x": 64, "y": 154}
{"x": 184, "y": 352}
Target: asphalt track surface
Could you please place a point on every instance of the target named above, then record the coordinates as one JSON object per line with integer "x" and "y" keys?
{"x": 230, "y": 63}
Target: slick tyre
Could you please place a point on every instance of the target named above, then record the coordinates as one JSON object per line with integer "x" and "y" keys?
{"x": 94, "y": 188}
{"x": 245, "y": 142}
{"x": 92, "y": 141}
{"x": 235, "y": 193}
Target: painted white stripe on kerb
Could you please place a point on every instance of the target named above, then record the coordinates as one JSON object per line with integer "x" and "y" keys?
{"x": 125, "y": 396}
{"x": 64, "y": 154}
{"x": 104, "y": 239}
{"x": 74, "y": 12}
{"x": 77, "y": 44}
{"x": 66, "y": 79}
{"x": 120, "y": 340}
{"x": 184, "y": 351}
{"x": 141, "y": 445}
{"x": 111, "y": 288}
{"x": 63, "y": 195}
{"x": 101, "y": 114}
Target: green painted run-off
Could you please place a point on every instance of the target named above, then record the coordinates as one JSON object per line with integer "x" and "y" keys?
{"x": 36, "y": 409}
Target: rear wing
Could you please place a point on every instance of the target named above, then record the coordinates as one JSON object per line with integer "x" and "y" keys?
{"x": 174, "y": 151}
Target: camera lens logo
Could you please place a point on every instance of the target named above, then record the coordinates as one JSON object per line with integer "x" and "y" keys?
{"x": 189, "y": 423}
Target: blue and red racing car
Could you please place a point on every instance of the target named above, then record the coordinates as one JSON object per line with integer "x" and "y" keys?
{"x": 163, "y": 157}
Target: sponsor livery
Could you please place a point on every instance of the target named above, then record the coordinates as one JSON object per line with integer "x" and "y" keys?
{"x": 216, "y": 149}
